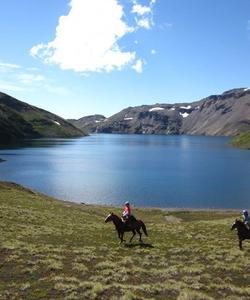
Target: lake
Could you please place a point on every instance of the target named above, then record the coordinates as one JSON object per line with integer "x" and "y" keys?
{"x": 147, "y": 170}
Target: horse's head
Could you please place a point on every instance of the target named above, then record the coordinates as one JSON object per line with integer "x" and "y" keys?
{"x": 109, "y": 218}
{"x": 236, "y": 224}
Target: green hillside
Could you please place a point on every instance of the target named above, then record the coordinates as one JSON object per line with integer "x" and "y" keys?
{"x": 21, "y": 120}
{"x": 242, "y": 141}
{"x": 13, "y": 125}
{"x": 59, "y": 250}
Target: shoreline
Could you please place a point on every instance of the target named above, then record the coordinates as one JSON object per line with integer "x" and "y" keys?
{"x": 108, "y": 206}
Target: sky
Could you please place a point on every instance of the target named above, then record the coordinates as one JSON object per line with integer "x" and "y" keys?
{"x": 82, "y": 57}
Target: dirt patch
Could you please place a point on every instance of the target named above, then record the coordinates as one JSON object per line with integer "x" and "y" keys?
{"x": 173, "y": 219}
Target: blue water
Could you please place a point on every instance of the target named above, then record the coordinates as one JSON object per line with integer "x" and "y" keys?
{"x": 158, "y": 171}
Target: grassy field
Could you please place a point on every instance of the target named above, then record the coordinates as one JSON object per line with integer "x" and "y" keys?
{"x": 242, "y": 141}
{"x": 58, "y": 250}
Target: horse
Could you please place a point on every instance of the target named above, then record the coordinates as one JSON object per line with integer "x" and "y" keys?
{"x": 243, "y": 232}
{"x": 121, "y": 227}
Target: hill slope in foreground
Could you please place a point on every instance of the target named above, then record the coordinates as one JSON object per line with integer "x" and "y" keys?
{"x": 21, "y": 120}
{"x": 58, "y": 250}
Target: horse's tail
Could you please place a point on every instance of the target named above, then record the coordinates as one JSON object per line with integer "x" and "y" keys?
{"x": 143, "y": 226}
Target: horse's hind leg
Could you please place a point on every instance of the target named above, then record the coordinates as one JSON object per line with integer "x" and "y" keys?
{"x": 138, "y": 230}
{"x": 134, "y": 233}
{"x": 121, "y": 237}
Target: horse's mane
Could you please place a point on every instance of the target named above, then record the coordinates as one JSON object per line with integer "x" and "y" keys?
{"x": 117, "y": 217}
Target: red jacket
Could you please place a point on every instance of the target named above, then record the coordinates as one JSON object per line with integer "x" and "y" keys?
{"x": 126, "y": 211}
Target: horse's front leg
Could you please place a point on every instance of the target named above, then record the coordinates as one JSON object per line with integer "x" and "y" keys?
{"x": 240, "y": 244}
{"x": 121, "y": 237}
{"x": 134, "y": 233}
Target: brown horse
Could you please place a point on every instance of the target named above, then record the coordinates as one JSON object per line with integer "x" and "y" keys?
{"x": 243, "y": 232}
{"x": 121, "y": 227}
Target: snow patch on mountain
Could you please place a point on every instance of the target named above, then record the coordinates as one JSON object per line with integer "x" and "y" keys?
{"x": 184, "y": 115}
{"x": 186, "y": 107}
{"x": 156, "y": 108}
{"x": 57, "y": 123}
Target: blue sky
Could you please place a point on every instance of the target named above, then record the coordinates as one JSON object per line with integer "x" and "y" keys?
{"x": 105, "y": 55}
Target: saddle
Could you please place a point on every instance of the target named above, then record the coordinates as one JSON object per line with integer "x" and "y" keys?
{"x": 130, "y": 221}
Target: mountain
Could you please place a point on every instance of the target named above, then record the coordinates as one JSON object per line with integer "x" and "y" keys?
{"x": 21, "y": 120}
{"x": 226, "y": 114}
{"x": 88, "y": 123}
{"x": 145, "y": 119}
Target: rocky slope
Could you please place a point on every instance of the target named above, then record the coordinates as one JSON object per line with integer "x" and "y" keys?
{"x": 146, "y": 119}
{"x": 21, "y": 120}
{"x": 226, "y": 114}
{"x": 88, "y": 123}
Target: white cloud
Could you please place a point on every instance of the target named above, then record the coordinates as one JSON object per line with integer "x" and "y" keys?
{"x": 21, "y": 79}
{"x": 30, "y": 78}
{"x": 87, "y": 38}
{"x": 165, "y": 26}
{"x": 140, "y": 9}
{"x": 10, "y": 87}
{"x": 138, "y": 66}
{"x": 144, "y": 14}
{"x": 56, "y": 89}
{"x": 6, "y": 67}
{"x": 37, "y": 81}
{"x": 144, "y": 23}
{"x": 43, "y": 50}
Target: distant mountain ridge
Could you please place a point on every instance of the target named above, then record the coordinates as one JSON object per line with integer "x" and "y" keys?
{"x": 21, "y": 120}
{"x": 226, "y": 114}
{"x": 88, "y": 123}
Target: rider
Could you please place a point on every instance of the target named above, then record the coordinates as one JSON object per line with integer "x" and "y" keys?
{"x": 246, "y": 219}
{"x": 126, "y": 212}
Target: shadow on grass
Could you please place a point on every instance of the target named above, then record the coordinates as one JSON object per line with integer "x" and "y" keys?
{"x": 140, "y": 245}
